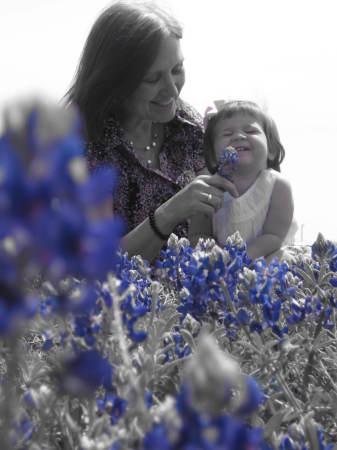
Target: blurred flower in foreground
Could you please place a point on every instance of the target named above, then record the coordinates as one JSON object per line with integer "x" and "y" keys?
{"x": 53, "y": 219}
{"x": 211, "y": 375}
{"x": 216, "y": 381}
{"x": 85, "y": 372}
{"x": 199, "y": 430}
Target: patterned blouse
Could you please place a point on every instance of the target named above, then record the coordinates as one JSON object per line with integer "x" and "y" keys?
{"x": 142, "y": 188}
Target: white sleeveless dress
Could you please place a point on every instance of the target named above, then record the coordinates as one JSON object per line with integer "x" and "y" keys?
{"x": 248, "y": 212}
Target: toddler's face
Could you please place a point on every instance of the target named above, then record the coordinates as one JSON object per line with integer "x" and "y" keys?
{"x": 246, "y": 135}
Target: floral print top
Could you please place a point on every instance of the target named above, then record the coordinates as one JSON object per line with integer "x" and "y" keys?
{"x": 142, "y": 188}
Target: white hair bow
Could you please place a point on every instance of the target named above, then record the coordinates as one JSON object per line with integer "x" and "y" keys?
{"x": 211, "y": 111}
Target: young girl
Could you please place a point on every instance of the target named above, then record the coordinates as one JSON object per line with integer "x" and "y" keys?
{"x": 263, "y": 211}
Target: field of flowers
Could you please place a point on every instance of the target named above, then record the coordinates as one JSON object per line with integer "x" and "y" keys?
{"x": 201, "y": 350}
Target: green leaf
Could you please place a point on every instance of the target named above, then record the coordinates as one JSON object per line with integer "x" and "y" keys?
{"x": 310, "y": 280}
{"x": 274, "y": 423}
{"x": 188, "y": 338}
{"x": 172, "y": 320}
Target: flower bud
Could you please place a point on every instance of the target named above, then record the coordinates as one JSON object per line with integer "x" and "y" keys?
{"x": 211, "y": 374}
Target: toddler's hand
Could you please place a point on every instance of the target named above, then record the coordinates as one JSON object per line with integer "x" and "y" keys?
{"x": 228, "y": 163}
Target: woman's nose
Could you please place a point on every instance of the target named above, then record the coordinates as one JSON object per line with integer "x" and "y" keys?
{"x": 171, "y": 87}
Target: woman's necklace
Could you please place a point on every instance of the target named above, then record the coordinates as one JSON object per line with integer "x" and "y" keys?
{"x": 153, "y": 143}
{"x": 152, "y": 146}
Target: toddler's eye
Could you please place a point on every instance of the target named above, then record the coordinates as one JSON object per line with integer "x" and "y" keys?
{"x": 252, "y": 131}
{"x": 227, "y": 133}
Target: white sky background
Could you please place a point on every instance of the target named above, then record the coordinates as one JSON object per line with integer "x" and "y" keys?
{"x": 282, "y": 54}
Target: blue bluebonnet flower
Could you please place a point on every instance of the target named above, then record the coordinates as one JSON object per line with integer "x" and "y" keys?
{"x": 70, "y": 244}
{"x": 323, "y": 248}
{"x": 86, "y": 371}
{"x": 86, "y": 327}
{"x": 255, "y": 326}
{"x": 23, "y": 430}
{"x": 287, "y": 444}
{"x": 201, "y": 431}
{"x": 200, "y": 272}
{"x": 243, "y": 316}
{"x": 321, "y": 440}
{"x": 181, "y": 349}
{"x": 112, "y": 405}
{"x": 47, "y": 340}
{"x": 48, "y": 306}
{"x": 49, "y": 216}
{"x": 252, "y": 399}
{"x": 157, "y": 438}
{"x": 148, "y": 399}
{"x": 132, "y": 310}
{"x": 328, "y": 321}
{"x": 227, "y": 163}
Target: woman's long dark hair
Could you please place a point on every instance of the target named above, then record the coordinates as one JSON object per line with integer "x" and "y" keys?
{"x": 121, "y": 46}
{"x": 233, "y": 107}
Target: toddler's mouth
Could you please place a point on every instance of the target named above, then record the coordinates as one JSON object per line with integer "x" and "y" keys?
{"x": 242, "y": 149}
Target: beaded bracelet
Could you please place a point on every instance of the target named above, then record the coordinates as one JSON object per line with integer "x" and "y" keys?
{"x": 155, "y": 229}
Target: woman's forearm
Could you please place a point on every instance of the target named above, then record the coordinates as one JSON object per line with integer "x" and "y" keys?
{"x": 143, "y": 241}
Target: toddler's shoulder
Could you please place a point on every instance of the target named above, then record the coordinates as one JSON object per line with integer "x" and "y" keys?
{"x": 280, "y": 178}
{"x": 282, "y": 187}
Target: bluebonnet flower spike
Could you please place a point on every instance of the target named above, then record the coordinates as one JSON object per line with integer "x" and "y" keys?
{"x": 228, "y": 163}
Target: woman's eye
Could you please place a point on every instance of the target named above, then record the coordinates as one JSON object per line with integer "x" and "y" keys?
{"x": 151, "y": 79}
{"x": 178, "y": 69}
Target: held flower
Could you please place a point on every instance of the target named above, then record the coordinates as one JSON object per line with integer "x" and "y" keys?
{"x": 228, "y": 163}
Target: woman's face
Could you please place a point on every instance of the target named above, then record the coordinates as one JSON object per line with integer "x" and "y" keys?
{"x": 155, "y": 99}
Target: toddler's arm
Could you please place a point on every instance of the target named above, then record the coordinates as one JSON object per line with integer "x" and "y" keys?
{"x": 277, "y": 222}
{"x": 200, "y": 226}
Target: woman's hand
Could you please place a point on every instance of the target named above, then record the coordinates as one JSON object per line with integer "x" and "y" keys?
{"x": 203, "y": 195}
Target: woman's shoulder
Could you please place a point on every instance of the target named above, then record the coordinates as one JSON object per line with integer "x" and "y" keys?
{"x": 103, "y": 148}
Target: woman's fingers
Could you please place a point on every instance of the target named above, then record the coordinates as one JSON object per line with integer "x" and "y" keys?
{"x": 220, "y": 183}
{"x": 203, "y": 195}
{"x": 212, "y": 199}
{"x": 206, "y": 209}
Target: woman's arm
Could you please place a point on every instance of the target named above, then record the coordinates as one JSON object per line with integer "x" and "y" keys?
{"x": 277, "y": 222}
{"x": 193, "y": 199}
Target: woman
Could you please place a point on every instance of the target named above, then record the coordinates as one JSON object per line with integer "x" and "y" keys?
{"x": 127, "y": 88}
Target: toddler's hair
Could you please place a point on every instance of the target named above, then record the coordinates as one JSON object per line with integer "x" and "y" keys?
{"x": 230, "y": 109}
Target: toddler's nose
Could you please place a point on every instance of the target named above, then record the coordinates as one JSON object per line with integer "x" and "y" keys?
{"x": 238, "y": 135}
